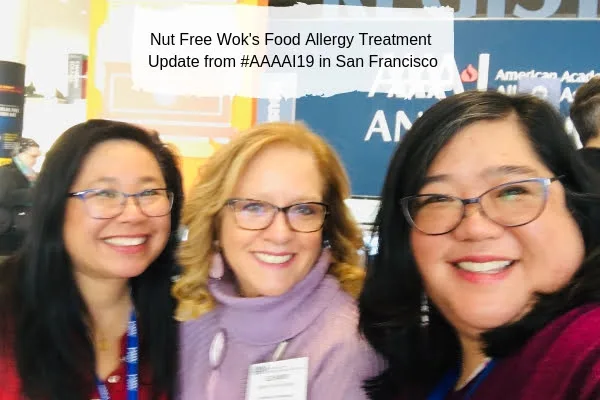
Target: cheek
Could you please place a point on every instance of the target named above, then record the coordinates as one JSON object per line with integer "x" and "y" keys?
{"x": 314, "y": 239}
{"x": 426, "y": 250}
{"x": 164, "y": 225}
{"x": 312, "y": 245}
{"x": 80, "y": 235}
{"x": 234, "y": 242}
{"x": 76, "y": 227}
{"x": 553, "y": 249}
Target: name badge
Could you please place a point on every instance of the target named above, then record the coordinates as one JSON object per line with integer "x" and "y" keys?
{"x": 286, "y": 379}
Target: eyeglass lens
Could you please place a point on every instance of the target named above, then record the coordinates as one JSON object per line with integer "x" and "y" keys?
{"x": 511, "y": 204}
{"x": 110, "y": 203}
{"x": 257, "y": 215}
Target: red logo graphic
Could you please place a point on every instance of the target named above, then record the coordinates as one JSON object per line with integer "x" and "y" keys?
{"x": 11, "y": 89}
{"x": 469, "y": 74}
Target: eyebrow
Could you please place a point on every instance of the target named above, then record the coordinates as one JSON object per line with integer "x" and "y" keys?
{"x": 509, "y": 170}
{"x": 108, "y": 179}
{"x": 297, "y": 200}
{"x": 488, "y": 172}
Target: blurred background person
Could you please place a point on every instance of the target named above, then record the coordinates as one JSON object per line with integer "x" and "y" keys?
{"x": 25, "y": 157}
{"x": 585, "y": 114}
{"x": 486, "y": 284}
{"x": 16, "y": 181}
{"x": 271, "y": 271}
{"x": 85, "y": 306}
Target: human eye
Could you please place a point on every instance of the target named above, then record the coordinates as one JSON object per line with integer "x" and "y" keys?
{"x": 305, "y": 209}
{"x": 513, "y": 191}
{"x": 432, "y": 200}
{"x": 151, "y": 193}
{"x": 253, "y": 207}
{"x": 104, "y": 194}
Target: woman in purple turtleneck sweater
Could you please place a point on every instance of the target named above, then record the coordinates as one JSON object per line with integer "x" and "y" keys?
{"x": 271, "y": 270}
{"x": 487, "y": 281}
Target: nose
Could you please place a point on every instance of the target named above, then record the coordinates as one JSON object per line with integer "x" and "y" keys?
{"x": 131, "y": 211}
{"x": 279, "y": 231}
{"x": 476, "y": 226}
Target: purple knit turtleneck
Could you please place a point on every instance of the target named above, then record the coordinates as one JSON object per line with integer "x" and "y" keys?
{"x": 258, "y": 320}
{"x": 317, "y": 318}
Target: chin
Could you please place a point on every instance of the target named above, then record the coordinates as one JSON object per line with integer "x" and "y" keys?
{"x": 274, "y": 291}
{"x": 131, "y": 271}
{"x": 485, "y": 321}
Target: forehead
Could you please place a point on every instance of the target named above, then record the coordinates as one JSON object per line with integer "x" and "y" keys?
{"x": 33, "y": 150}
{"x": 281, "y": 168}
{"x": 485, "y": 146}
{"x": 119, "y": 160}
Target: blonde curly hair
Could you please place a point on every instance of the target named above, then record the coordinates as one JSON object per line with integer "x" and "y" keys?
{"x": 215, "y": 183}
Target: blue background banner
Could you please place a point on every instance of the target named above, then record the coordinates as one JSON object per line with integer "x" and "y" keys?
{"x": 489, "y": 54}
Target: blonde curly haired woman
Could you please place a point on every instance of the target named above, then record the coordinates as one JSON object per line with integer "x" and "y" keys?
{"x": 271, "y": 271}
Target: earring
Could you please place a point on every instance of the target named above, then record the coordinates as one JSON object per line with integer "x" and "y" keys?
{"x": 424, "y": 310}
{"x": 217, "y": 266}
{"x": 183, "y": 233}
{"x": 326, "y": 244}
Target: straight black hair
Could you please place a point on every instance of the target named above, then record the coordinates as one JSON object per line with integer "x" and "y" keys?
{"x": 390, "y": 304}
{"x": 42, "y": 313}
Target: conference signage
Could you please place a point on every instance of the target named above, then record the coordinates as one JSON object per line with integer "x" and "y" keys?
{"x": 550, "y": 58}
{"x": 12, "y": 98}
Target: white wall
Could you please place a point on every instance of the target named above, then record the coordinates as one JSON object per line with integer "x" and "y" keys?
{"x": 44, "y": 121}
{"x": 47, "y": 58}
{"x": 56, "y": 28}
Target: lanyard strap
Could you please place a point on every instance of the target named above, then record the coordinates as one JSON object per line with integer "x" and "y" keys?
{"x": 441, "y": 391}
{"x": 131, "y": 363}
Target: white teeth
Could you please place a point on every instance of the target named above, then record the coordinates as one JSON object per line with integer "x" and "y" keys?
{"x": 126, "y": 241}
{"x": 272, "y": 259}
{"x": 489, "y": 267}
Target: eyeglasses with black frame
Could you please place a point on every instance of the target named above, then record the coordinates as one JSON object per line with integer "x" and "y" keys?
{"x": 511, "y": 204}
{"x": 256, "y": 215}
{"x": 109, "y": 203}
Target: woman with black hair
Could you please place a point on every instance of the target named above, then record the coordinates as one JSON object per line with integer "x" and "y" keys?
{"x": 85, "y": 308}
{"x": 487, "y": 280}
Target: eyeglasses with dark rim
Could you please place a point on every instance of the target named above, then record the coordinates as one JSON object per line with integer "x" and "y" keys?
{"x": 511, "y": 204}
{"x": 109, "y": 203}
{"x": 256, "y": 215}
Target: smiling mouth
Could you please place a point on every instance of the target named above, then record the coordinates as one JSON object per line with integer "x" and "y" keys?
{"x": 273, "y": 259}
{"x": 126, "y": 241}
{"x": 488, "y": 267}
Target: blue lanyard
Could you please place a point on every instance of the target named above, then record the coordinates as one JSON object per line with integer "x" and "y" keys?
{"x": 131, "y": 362}
{"x": 441, "y": 391}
